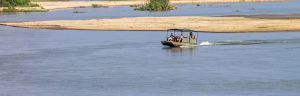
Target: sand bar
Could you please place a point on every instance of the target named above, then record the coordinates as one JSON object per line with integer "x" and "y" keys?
{"x": 197, "y": 23}
{"x": 76, "y": 4}
{"x": 269, "y": 16}
{"x": 45, "y": 6}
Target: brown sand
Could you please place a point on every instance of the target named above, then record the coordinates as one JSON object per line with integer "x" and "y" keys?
{"x": 269, "y": 16}
{"x": 197, "y": 23}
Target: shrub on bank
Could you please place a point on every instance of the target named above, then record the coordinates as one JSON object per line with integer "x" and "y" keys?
{"x": 156, "y": 5}
{"x": 13, "y": 3}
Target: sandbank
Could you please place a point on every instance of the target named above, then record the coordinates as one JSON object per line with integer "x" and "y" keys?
{"x": 52, "y": 5}
{"x": 76, "y": 4}
{"x": 197, "y": 23}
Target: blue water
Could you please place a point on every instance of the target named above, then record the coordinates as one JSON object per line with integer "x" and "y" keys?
{"x": 42, "y": 62}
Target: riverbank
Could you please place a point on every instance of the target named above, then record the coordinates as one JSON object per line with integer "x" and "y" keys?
{"x": 76, "y": 4}
{"x": 269, "y": 16}
{"x": 197, "y": 23}
{"x": 23, "y": 9}
{"x": 52, "y": 5}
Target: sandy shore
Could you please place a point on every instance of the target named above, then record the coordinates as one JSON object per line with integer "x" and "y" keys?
{"x": 26, "y": 9}
{"x": 197, "y": 23}
{"x": 75, "y": 4}
{"x": 269, "y": 16}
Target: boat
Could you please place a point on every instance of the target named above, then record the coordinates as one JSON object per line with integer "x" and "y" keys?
{"x": 173, "y": 39}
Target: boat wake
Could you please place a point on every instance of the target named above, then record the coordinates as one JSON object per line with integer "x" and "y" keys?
{"x": 206, "y": 43}
{"x": 247, "y": 42}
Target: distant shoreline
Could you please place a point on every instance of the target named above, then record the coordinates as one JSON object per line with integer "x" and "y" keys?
{"x": 78, "y": 4}
{"x": 224, "y": 24}
{"x": 54, "y": 5}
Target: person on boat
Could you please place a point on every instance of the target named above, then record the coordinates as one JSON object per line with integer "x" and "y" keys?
{"x": 177, "y": 38}
{"x": 181, "y": 37}
{"x": 171, "y": 35}
{"x": 192, "y": 35}
{"x": 171, "y": 38}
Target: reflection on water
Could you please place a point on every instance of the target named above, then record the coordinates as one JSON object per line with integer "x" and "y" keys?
{"x": 189, "y": 50}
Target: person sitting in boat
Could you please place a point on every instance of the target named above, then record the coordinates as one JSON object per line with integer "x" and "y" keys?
{"x": 171, "y": 38}
{"x": 172, "y": 35}
{"x": 177, "y": 38}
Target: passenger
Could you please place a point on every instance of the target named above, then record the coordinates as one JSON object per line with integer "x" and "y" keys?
{"x": 181, "y": 37}
{"x": 171, "y": 38}
{"x": 171, "y": 35}
{"x": 177, "y": 38}
{"x": 192, "y": 35}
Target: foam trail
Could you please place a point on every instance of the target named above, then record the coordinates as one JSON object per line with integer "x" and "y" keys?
{"x": 247, "y": 42}
{"x": 206, "y": 43}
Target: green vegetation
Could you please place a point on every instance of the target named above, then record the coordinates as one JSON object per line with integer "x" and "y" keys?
{"x": 24, "y": 6}
{"x": 14, "y": 3}
{"x": 98, "y": 6}
{"x": 156, "y": 5}
{"x": 47, "y": 0}
{"x": 27, "y": 9}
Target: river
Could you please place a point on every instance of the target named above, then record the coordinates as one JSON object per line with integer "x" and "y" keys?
{"x": 43, "y": 62}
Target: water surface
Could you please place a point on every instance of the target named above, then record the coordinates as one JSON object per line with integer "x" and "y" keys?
{"x": 42, "y": 62}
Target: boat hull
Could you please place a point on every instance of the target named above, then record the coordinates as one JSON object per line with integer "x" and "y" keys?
{"x": 171, "y": 44}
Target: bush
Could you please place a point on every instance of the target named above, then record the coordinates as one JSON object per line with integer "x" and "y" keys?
{"x": 156, "y": 5}
{"x": 13, "y": 3}
{"x": 98, "y": 6}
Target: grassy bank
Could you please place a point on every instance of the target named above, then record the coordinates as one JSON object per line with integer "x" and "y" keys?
{"x": 19, "y": 6}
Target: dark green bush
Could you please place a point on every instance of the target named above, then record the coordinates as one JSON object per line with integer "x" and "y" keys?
{"x": 13, "y": 3}
{"x": 156, "y": 5}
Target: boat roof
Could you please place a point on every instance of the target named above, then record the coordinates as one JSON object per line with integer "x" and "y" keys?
{"x": 181, "y": 30}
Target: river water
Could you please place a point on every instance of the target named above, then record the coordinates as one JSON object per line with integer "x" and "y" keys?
{"x": 42, "y": 62}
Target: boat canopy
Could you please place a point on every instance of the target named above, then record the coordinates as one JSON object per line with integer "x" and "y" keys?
{"x": 181, "y": 30}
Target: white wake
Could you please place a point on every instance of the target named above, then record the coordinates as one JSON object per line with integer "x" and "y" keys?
{"x": 206, "y": 43}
